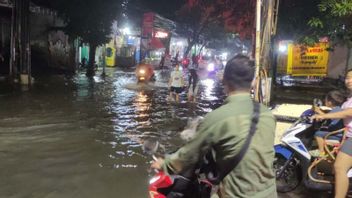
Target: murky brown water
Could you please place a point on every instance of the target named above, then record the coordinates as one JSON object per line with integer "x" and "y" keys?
{"x": 78, "y": 137}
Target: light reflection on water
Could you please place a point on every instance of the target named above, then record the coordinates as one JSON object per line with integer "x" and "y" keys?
{"x": 82, "y": 137}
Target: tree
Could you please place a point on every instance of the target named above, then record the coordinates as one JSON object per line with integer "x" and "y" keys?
{"x": 308, "y": 21}
{"x": 199, "y": 19}
{"x": 334, "y": 20}
{"x": 88, "y": 20}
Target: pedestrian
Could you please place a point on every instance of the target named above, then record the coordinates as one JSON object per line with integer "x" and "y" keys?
{"x": 344, "y": 157}
{"x": 162, "y": 61}
{"x": 176, "y": 57}
{"x": 224, "y": 132}
{"x": 333, "y": 100}
{"x": 193, "y": 79}
{"x": 84, "y": 63}
{"x": 176, "y": 83}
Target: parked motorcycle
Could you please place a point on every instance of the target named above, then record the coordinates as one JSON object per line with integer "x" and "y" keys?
{"x": 293, "y": 163}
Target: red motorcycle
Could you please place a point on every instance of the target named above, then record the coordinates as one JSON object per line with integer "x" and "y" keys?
{"x": 187, "y": 185}
{"x": 159, "y": 181}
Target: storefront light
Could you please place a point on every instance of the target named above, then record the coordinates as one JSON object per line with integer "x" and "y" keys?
{"x": 179, "y": 43}
{"x": 224, "y": 55}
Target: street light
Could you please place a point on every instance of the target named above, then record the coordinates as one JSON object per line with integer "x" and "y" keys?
{"x": 282, "y": 47}
{"x": 126, "y": 31}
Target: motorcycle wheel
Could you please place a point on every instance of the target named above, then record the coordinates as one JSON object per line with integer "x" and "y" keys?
{"x": 290, "y": 178}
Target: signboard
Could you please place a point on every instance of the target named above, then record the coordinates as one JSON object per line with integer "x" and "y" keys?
{"x": 307, "y": 61}
{"x": 300, "y": 60}
{"x": 153, "y": 37}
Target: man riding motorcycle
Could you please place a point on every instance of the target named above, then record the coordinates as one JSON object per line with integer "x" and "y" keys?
{"x": 224, "y": 132}
{"x": 145, "y": 72}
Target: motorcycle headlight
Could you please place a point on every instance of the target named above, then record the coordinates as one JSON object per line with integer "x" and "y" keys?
{"x": 142, "y": 71}
{"x": 211, "y": 67}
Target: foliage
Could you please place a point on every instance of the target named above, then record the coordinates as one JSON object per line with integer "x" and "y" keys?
{"x": 308, "y": 21}
{"x": 203, "y": 21}
{"x": 335, "y": 21}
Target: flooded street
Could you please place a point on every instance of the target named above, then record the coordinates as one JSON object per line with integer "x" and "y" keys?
{"x": 80, "y": 137}
{"x": 75, "y": 137}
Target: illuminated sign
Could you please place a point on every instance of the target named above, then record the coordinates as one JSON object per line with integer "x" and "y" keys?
{"x": 160, "y": 34}
{"x": 309, "y": 61}
{"x": 300, "y": 60}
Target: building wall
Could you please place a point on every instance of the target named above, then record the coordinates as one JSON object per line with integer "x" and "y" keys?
{"x": 337, "y": 62}
{"x": 51, "y": 47}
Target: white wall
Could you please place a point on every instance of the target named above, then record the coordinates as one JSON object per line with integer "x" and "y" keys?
{"x": 337, "y": 61}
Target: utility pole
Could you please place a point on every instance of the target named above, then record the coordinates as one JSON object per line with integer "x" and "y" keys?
{"x": 20, "y": 63}
{"x": 266, "y": 20}
{"x": 257, "y": 36}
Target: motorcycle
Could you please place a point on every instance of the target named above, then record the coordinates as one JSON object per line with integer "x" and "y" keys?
{"x": 209, "y": 69}
{"x": 189, "y": 184}
{"x": 202, "y": 179}
{"x": 186, "y": 185}
{"x": 145, "y": 73}
{"x": 185, "y": 62}
{"x": 294, "y": 164}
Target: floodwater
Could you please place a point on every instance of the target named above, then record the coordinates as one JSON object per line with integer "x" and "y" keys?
{"x": 82, "y": 138}
{"x": 74, "y": 137}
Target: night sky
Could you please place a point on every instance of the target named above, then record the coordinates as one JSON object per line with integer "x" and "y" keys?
{"x": 166, "y": 8}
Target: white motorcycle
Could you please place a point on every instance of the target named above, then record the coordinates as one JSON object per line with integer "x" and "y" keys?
{"x": 294, "y": 164}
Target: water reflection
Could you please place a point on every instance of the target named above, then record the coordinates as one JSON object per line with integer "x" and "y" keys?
{"x": 142, "y": 105}
{"x": 83, "y": 137}
{"x": 208, "y": 89}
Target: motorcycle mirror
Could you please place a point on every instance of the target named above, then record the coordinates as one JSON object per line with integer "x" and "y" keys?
{"x": 317, "y": 102}
{"x": 150, "y": 147}
{"x": 154, "y": 158}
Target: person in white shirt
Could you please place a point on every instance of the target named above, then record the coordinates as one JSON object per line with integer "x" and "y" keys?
{"x": 176, "y": 83}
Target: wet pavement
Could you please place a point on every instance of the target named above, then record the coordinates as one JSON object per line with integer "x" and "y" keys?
{"x": 79, "y": 137}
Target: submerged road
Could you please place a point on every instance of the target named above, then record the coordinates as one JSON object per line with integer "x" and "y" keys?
{"x": 82, "y": 138}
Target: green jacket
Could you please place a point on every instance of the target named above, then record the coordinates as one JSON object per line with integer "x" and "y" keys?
{"x": 225, "y": 130}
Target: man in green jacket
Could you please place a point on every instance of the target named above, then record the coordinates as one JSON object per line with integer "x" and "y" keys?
{"x": 225, "y": 130}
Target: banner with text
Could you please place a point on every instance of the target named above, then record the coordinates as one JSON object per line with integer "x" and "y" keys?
{"x": 308, "y": 61}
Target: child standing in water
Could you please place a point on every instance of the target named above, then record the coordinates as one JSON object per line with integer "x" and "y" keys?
{"x": 176, "y": 83}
